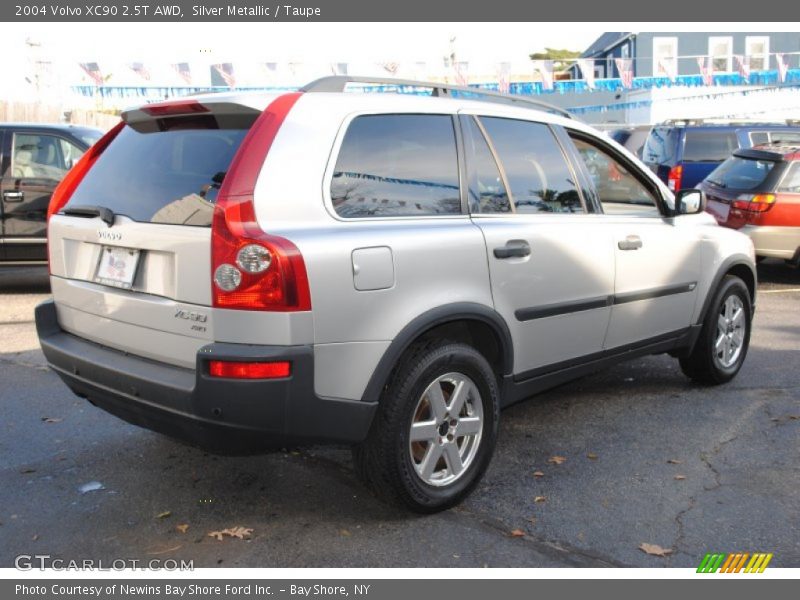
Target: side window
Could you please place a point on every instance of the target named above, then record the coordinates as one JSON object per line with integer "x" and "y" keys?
{"x": 791, "y": 181}
{"x": 619, "y": 191}
{"x": 397, "y": 166}
{"x": 35, "y": 155}
{"x": 535, "y": 170}
{"x": 708, "y": 146}
{"x": 70, "y": 152}
{"x": 661, "y": 145}
{"x": 487, "y": 192}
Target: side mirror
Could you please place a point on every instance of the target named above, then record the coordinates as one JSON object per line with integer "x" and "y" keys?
{"x": 690, "y": 202}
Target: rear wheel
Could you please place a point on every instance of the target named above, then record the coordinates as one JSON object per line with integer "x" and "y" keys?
{"x": 435, "y": 430}
{"x": 725, "y": 337}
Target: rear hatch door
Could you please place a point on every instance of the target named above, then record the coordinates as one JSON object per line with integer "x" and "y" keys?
{"x": 130, "y": 252}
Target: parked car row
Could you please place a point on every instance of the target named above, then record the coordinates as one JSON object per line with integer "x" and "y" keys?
{"x": 747, "y": 170}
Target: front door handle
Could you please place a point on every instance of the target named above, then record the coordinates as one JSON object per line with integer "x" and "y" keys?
{"x": 513, "y": 248}
{"x": 631, "y": 242}
{"x": 13, "y": 196}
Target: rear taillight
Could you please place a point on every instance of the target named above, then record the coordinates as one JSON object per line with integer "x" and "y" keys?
{"x": 674, "y": 178}
{"x": 252, "y": 270}
{"x": 250, "y": 370}
{"x": 754, "y": 203}
{"x": 65, "y": 189}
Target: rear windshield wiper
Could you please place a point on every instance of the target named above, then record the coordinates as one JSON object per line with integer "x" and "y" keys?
{"x": 106, "y": 214}
{"x": 719, "y": 184}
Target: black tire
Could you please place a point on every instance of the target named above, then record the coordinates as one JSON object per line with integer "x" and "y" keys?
{"x": 384, "y": 460}
{"x": 704, "y": 365}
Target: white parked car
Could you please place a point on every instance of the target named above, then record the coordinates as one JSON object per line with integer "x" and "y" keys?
{"x": 382, "y": 270}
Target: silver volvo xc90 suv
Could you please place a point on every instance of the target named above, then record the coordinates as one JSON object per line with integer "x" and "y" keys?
{"x": 384, "y": 270}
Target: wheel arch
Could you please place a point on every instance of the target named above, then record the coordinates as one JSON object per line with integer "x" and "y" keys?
{"x": 478, "y": 324}
{"x": 740, "y": 266}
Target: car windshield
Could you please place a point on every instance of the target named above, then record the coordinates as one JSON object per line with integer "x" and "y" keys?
{"x": 90, "y": 137}
{"x": 741, "y": 173}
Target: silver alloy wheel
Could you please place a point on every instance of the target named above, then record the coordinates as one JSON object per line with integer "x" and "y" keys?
{"x": 731, "y": 329}
{"x": 446, "y": 429}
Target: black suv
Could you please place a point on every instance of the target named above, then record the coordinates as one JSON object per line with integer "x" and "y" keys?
{"x": 33, "y": 159}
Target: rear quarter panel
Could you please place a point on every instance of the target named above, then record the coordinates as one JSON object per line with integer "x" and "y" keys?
{"x": 435, "y": 260}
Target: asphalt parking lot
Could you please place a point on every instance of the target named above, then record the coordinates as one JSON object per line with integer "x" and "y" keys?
{"x": 649, "y": 458}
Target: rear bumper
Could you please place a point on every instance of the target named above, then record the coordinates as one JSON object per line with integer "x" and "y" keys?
{"x": 774, "y": 241}
{"x": 223, "y": 415}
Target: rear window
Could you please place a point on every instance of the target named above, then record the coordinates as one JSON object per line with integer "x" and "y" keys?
{"x": 771, "y": 137}
{"x": 708, "y": 146}
{"x": 397, "y": 166}
{"x": 661, "y": 145}
{"x": 170, "y": 176}
{"x": 741, "y": 173}
{"x": 791, "y": 181}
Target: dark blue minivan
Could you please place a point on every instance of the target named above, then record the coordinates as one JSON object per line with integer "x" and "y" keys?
{"x": 683, "y": 153}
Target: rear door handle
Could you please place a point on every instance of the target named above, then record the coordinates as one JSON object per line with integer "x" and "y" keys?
{"x": 631, "y": 242}
{"x": 13, "y": 196}
{"x": 513, "y": 248}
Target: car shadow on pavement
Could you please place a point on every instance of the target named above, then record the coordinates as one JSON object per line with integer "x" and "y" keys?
{"x": 24, "y": 280}
{"x": 777, "y": 272}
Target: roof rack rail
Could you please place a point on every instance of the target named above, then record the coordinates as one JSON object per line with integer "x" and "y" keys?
{"x": 338, "y": 83}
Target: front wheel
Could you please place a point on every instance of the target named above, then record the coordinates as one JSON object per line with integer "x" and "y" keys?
{"x": 435, "y": 430}
{"x": 725, "y": 337}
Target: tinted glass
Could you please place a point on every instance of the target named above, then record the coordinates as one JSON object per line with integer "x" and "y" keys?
{"x": 661, "y": 146}
{"x": 619, "y": 191}
{"x": 535, "y": 168}
{"x": 791, "y": 181}
{"x": 487, "y": 194}
{"x": 396, "y": 166}
{"x": 168, "y": 176}
{"x": 37, "y": 156}
{"x": 708, "y": 146}
{"x": 741, "y": 173}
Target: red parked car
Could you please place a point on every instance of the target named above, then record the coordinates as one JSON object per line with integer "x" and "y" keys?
{"x": 757, "y": 191}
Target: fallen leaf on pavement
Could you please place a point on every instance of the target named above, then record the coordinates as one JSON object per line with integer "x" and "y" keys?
{"x": 655, "y": 550}
{"x": 517, "y": 533}
{"x": 532, "y": 520}
{"x": 345, "y": 533}
{"x": 182, "y": 528}
{"x": 591, "y": 456}
{"x": 35, "y": 537}
{"x": 27, "y": 470}
{"x": 540, "y": 498}
{"x": 680, "y": 477}
{"x": 674, "y": 461}
{"x": 243, "y": 533}
{"x": 557, "y": 460}
{"x": 51, "y": 420}
{"x": 164, "y": 515}
{"x": 538, "y": 474}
